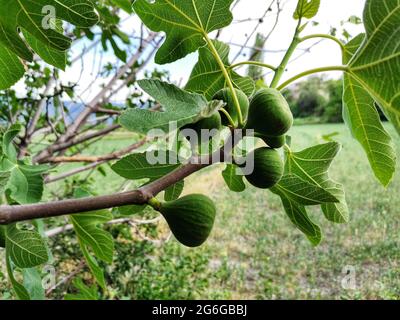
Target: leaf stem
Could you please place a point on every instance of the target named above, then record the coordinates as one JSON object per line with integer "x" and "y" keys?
{"x": 326, "y": 36}
{"x": 227, "y": 78}
{"x": 226, "y": 113}
{"x": 254, "y": 63}
{"x": 313, "y": 71}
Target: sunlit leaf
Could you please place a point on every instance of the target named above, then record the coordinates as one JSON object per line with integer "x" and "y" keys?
{"x": 173, "y": 192}
{"x": 26, "y": 248}
{"x": 363, "y": 119}
{"x": 312, "y": 165}
{"x": 207, "y": 78}
{"x": 307, "y": 9}
{"x": 143, "y": 165}
{"x": 179, "y": 107}
{"x": 184, "y": 22}
{"x": 376, "y": 65}
{"x": 233, "y": 180}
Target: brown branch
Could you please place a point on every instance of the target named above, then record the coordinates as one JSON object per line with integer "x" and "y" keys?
{"x": 68, "y": 278}
{"x": 68, "y": 227}
{"x": 30, "y": 130}
{"x": 63, "y": 146}
{"x": 109, "y": 111}
{"x": 106, "y": 157}
{"x": 10, "y": 214}
{"x": 50, "y": 179}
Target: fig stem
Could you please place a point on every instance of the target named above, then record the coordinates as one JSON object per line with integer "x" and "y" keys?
{"x": 155, "y": 204}
{"x": 226, "y": 76}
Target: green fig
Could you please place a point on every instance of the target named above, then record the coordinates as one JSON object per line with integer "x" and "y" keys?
{"x": 210, "y": 123}
{"x": 226, "y": 96}
{"x": 269, "y": 113}
{"x": 268, "y": 168}
{"x": 190, "y": 218}
{"x": 273, "y": 142}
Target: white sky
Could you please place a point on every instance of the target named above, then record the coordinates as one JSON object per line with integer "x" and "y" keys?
{"x": 331, "y": 13}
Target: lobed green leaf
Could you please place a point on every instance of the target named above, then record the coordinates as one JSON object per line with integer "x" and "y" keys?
{"x": 26, "y": 248}
{"x": 363, "y": 120}
{"x": 184, "y": 22}
{"x": 376, "y": 65}
{"x": 179, "y": 106}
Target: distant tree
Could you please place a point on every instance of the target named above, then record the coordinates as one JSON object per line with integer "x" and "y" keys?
{"x": 257, "y": 54}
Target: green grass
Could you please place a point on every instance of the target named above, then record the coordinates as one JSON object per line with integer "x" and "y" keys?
{"x": 254, "y": 250}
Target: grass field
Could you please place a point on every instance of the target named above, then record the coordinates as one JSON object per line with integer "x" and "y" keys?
{"x": 254, "y": 250}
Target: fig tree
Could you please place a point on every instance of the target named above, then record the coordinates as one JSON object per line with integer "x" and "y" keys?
{"x": 268, "y": 168}
{"x": 226, "y": 96}
{"x": 190, "y": 218}
{"x": 269, "y": 113}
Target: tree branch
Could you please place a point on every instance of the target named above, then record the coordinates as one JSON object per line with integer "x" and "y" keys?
{"x": 94, "y": 103}
{"x": 106, "y": 157}
{"x": 10, "y": 214}
{"x": 50, "y": 179}
{"x": 63, "y": 146}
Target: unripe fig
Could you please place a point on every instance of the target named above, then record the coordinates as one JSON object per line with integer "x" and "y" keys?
{"x": 210, "y": 123}
{"x": 213, "y": 122}
{"x": 226, "y": 96}
{"x": 273, "y": 142}
{"x": 268, "y": 168}
{"x": 190, "y": 218}
{"x": 269, "y": 113}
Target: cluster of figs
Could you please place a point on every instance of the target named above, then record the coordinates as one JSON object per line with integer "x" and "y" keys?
{"x": 191, "y": 217}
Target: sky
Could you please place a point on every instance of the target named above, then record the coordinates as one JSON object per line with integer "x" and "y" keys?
{"x": 326, "y": 53}
{"x": 331, "y": 13}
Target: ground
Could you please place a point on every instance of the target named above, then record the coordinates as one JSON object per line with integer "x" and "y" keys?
{"x": 254, "y": 250}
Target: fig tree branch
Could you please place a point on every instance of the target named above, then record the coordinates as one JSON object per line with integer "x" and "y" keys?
{"x": 80, "y": 139}
{"x": 50, "y": 179}
{"x": 10, "y": 214}
{"x": 106, "y": 157}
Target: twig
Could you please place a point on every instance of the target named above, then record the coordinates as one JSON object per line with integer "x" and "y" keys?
{"x": 56, "y": 231}
{"x": 50, "y": 179}
{"x": 93, "y": 104}
{"x": 106, "y": 157}
{"x": 67, "y": 278}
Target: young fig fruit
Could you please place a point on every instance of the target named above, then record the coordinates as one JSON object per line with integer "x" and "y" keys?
{"x": 269, "y": 113}
{"x": 226, "y": 96}
{"x": 190, "y": 218}
{"x": 268, "y": 168}
{"x": 273, "y": 142}
{"x": 211, "y": 123}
